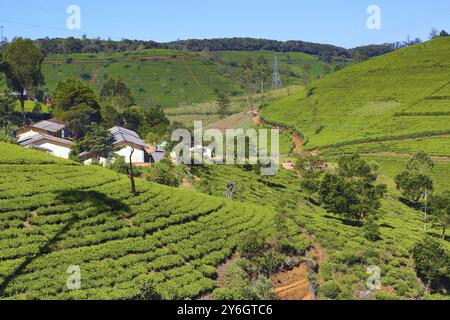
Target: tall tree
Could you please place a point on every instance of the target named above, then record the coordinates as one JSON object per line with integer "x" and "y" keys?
{"x": 263, "y": 70}
{"x": 22, "y": 62}
{"x": 440, "y": 211}
{"x": 248, "y": 81}
{"x": 413, "y": 185}
{"x": 223, "y": 103}
{"x": 7, "y": 106}
{"x": 116, "y": 93}
{"x": 97, "y": 141}
{"x": 419, "y": 162}
{"x": 352, "y": 191}
{"x": 431, "y": 261}
{"x": 76, "y": 103}
{"x": 309, "y": 168}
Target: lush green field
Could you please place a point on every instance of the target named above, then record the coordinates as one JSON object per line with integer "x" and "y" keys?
{"x": 435, "y": 146}
{"x": 289, "y": 63}
{"x": 55, "y": 214}
{"x": 361, "y": 102}
{"x": 170, "y": 78}
{"x": 347, "y": 253}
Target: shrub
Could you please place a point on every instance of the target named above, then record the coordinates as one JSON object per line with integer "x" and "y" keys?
{"x": 371, "y": 231}
{"x": 431, "y": 260}
{"x": 383, "y": 295}
{"x": 148, "y": 291}
{"x": 330, "y": 289}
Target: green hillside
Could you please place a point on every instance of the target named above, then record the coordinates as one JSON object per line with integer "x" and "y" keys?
{"x": 52, "y": 217}
{"x": 403, "y": 94}
{"x": 347, "y": 251}
{"x": 170, "y": 77}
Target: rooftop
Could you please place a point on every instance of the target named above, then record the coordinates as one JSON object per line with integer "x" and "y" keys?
{"x": 51, "y": 125}
{"x": 122, "y": 135}
{"x": 38, "y": 137}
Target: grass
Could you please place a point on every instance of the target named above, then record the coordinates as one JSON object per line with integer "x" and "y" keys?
{"x": 52, "y": 217}
{"x": 170, "y": 78}
{"x": 348, "y": 253}
{"x": 435, "y": 146}
{"x": 360, "y": 102}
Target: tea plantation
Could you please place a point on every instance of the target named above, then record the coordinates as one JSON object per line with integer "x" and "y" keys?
{"x": 55, "y": 214}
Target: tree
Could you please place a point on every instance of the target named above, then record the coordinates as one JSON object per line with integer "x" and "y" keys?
{"x": 434, "y": 33}
{"x": 223, "y": 103}
{"x": 22, "y": 62}
{"x": 248, "y": 81}
{"x": 413, "y": 185}
{"x": 154, "y": 120}
{"x": 7, "y": 106}
{"x": 131, "y": 174}
{"x": 116, "y": 93}
{"x": 76, "y": 103}
{"x": 97, "y": 141}
{"x": 165, "y": 173}
{"x": 110, "y": 116}
{"x": 309, "y": 168}
{"x": 352, "y": 192}
{"x": 443, "y": 33}
{"x": 419, "y": 162}
{"x": 263, "y": 70}
{"x": 440, "y": 211}
{"x": 431, "y": 261}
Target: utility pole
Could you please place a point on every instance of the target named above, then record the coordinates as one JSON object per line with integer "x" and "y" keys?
{"x": 1, "y": 34}
{"x": 276, "y": 78}
{"x": 426, "y": 215}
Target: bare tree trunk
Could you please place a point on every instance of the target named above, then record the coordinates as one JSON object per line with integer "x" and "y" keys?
{"x": 131, "y": 174}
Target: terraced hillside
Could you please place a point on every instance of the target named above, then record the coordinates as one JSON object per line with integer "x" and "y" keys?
{"x": 171, "y": 77}
{"x": 398, "y": 96}
{"x": 340, "y": 247}
{"x": 55, "y": 214}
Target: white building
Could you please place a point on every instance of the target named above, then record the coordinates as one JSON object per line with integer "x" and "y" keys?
{"x": 55, "y": 146}
{"x": 52, "y": 127}
{"x": 46, "y": 135}
{"x": 128, "y": 143}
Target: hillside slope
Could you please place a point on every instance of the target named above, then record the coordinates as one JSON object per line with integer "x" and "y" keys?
{"x": 345, "y": 253}
{"x": 55, "y": 214}
{"x": 171, "y": 77}
{"x": 402, "y": 94}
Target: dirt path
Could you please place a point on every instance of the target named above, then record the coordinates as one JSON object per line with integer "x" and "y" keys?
{"x": 298, "y": 141}
{"x": 293, "y": 285}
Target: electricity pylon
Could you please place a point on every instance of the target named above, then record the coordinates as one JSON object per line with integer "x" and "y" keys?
{"x": 276, "y": 78}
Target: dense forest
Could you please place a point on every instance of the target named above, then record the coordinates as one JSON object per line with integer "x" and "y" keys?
{"x": 325, "y": 51}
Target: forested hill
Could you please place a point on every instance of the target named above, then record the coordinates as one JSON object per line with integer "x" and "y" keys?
{"x": 325, "y": 51}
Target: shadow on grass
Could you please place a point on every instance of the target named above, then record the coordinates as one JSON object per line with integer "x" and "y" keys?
{"x": 68, "y": 197}
{"x": 411, "y": 204}
{"x": 345, "y": 221}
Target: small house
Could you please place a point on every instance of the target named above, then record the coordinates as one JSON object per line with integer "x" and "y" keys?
{"x": 55, "y": 146}
{"x": 52, "y": 127}
{"x": 127, "y": 140}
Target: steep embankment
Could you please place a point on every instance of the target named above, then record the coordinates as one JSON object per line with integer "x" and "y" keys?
{"x": 401, "y": 95}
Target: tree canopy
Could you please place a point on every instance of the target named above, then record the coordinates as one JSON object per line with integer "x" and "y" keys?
{"x": 21, "y": 63}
